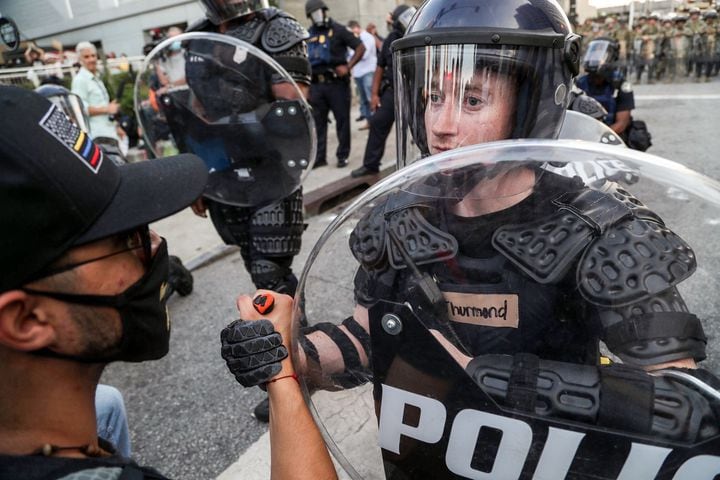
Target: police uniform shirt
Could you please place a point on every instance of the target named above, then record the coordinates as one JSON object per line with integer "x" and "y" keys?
{"x": 625, "y": 100}
{"x": 340, "y": 40}
{"x": 385, "y": 60}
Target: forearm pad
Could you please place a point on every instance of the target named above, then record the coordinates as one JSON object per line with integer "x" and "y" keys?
{"x": 617, "y": 396}
{"x": 253, "y": 351}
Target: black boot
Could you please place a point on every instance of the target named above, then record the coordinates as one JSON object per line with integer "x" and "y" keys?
{"x": 180, "y": 280}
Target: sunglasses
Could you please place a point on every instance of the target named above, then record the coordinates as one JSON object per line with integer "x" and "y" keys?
{"x": 135, "y": 239}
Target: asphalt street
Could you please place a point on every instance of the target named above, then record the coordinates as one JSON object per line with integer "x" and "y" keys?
{"x": 189, "y": 418}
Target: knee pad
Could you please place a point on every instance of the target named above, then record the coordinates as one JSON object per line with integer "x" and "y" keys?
{"x": 231, "y": 223}
{"x": 269, "y": 275}
{"x": 276, "y": 230}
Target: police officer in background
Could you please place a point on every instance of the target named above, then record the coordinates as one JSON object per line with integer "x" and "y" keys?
{"x": 605, "y": 82}
{"x": 330, "y": 90}
{"x": 382, "y": 102}
{"x": 257, "y": 230}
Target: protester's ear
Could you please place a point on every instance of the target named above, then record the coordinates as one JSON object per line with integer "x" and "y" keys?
{"x": 24, "y": 324}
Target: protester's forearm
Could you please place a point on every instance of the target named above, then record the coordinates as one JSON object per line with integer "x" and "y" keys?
{"x": 297, "y": 448}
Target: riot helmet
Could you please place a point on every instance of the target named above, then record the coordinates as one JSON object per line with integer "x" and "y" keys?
{"x": 219, "y": 11}
{"x": 316, "y": 10}
{"x": 474, "y": 71}
{"x": 68, "y": 103}
{"x": 401, "y": 17}
{"x": 601, "y": 57}
{"x": 711, "y": 14}
{"x": 694, "y": 12}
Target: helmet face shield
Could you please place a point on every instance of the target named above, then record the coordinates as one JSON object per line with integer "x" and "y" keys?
{"x": 318, "y": 17}
{"x": 505, "y": 68}
{"x": 600, "y": 53}
{"x": 450, "y": 96}
{"x": 219, "y": 11}
{"x": 403, "y": 20}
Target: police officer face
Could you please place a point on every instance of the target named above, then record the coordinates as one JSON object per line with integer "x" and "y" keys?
{"x": 461, "y": 113}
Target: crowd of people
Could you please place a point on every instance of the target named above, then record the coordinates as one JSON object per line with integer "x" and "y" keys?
{"x": 667, "y": 48}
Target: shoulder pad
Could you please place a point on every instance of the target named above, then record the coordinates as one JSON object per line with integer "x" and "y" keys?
{"x": 367, "y": 240}
{"x": 545, "y": 249}
{"x": 633, "y": 261}
{"x": 392, "y": 235}
{"x": 248, "y": 31}
{"x": 282, "y": 33}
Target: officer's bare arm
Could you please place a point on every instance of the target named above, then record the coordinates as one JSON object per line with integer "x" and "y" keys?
{"x": 622, "y": 121}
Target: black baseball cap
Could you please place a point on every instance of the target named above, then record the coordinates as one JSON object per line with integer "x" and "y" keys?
{"x": 58, "y": 190}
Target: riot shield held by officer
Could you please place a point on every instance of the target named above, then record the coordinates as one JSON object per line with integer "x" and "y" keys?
{"x": 513, "y": 322}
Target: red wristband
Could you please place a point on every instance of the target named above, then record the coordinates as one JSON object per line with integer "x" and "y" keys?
{"x": 294, "y": 375}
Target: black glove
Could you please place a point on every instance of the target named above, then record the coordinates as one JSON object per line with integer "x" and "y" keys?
{"x": 252, "y": 350}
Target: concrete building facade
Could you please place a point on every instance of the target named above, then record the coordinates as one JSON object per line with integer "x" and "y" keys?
{"x": 122, "y": 26}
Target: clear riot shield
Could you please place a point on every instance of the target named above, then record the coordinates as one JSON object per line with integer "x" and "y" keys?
{"x": 235, "y": 107}
{"x": 578, "y": 126}
{"x": 508, "y": 333}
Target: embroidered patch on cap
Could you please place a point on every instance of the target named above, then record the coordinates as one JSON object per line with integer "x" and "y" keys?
{"x": 59, "y": 126}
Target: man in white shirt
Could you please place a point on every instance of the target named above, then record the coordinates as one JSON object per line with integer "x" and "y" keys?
{"x": 88, "y": 85}
{"x": 364, "y": 70}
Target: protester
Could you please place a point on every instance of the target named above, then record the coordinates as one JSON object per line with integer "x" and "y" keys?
{"x": 364, "y": 71}
{"x": 81, "y": 286}
{"x": 88, "y": 85}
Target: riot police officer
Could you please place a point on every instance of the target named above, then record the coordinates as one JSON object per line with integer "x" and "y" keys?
{"x": 471, "y": 253}
{"x": 330, "y": 90}
{"x": 269, "y": 236}
{"x": 605, "y": 82}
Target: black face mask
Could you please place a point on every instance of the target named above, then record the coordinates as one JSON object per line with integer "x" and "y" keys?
{"x": 144, "y": 316}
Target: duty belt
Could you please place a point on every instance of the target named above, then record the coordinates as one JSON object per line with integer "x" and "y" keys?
{"x": 325, "y": 77}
